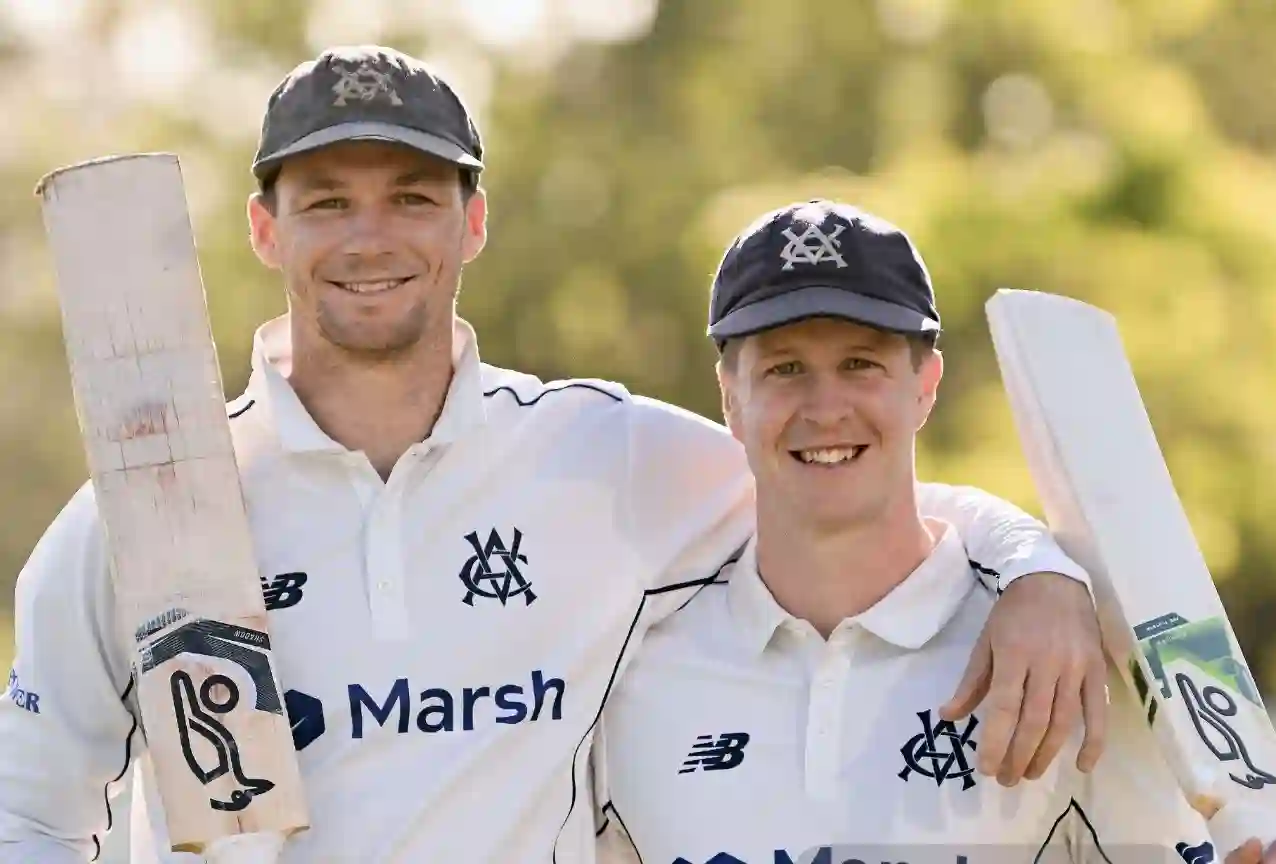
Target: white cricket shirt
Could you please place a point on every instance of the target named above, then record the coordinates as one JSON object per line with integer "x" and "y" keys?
{"x": 740, "y": 735}
{"x": 446, "y": 638}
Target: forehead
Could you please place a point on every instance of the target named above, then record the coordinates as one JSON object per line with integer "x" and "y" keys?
{"x": 817, "y": 333}
{"x": 351, "y": 162}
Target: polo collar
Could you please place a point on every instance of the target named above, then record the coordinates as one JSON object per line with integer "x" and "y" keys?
{"x": 268, "y": 386}
{"x": 909, "y": 616}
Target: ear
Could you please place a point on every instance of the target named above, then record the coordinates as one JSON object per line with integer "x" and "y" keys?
{"x": 475, "y": 225}
{"x": 930, "y": 374}
{"x": 263, "y": 231}
{"x": 727, "y": 384}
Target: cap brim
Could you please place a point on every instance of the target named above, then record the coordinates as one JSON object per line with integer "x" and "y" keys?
{"x": 365, "y": 131}
{"x": 821, "y": 302}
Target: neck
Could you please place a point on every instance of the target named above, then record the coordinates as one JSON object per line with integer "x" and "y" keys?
{"x": 378, "y": 404}
{"x": 825, "y": 577}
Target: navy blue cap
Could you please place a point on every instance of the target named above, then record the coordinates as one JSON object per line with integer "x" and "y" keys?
{"x": 366, "y": 93}
{"x": 821, "y": 259}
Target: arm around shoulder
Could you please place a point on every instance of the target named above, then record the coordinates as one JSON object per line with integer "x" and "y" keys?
{"x": 689, "y": 503}
{"x": 67, "y": 734}
{"x": 1006, "y": 542}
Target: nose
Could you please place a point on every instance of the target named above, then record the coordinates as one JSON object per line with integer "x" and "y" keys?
{"x": 368, "y": 233}
{"x": 826, "y": 401}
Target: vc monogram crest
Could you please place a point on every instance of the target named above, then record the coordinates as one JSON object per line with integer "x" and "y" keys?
{"x": 939, "y": 751}
{"x": 812, "y": 246}
{"x": 365, "y": 83}
{"x": 483, "y": 579}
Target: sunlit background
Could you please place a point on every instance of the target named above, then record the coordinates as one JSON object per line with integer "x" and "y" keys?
{"x": 1119, "y": 151}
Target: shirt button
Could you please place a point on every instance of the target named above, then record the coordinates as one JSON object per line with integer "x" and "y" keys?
{"x": 383, "y": 585}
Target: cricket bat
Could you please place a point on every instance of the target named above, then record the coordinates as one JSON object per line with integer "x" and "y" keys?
{"x": 1111, "y": 503}
{"x": 152, "y": 415}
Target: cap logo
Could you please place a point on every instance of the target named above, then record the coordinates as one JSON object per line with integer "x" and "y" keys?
{"x": 363, "y": 83}
{"x": 812, "y": 246}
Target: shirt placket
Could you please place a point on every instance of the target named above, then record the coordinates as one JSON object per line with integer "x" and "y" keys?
{"x": 382, "y": 556}
{"x": 825, "y": 725}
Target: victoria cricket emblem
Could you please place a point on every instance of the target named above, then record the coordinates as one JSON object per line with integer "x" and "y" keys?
{"x": 493, "y": 570}
{"x": 364, "y": 83}
{"x": 939, "y": 751}
{"x": 812, "y": 246}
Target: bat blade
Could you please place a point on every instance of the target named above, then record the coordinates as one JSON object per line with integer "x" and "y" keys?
{"x": 151, "y": 408}
{"x": 1110, "y": 501}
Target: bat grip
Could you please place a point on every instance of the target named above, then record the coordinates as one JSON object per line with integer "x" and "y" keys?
{"x": 1237, "y": 822}
{"x": 263, "y": 848}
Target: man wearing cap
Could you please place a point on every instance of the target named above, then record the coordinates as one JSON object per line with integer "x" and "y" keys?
{"x": 790, "y": 712}
{"x": 457, "y": 560}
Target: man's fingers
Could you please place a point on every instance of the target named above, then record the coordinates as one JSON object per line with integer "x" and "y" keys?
{"x": 1034, "y": 720}
{"x": 1249, "y": 853}
{"x": 1094, "y": 705}
{"x": 1005, "y": 698}
{"x": 974, "y": 683}
{"x": 1065, "y": 713}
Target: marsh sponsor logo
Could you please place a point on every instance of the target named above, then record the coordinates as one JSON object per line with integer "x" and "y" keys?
{"x": 442, "y": 710}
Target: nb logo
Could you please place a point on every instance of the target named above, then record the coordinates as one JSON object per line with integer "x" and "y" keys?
{"x": 284, "y": 590}
{"x": 481, "y": 579}
{"x": 716, "y": 755}
{"x": 812, "y": 246}
{"x": 363, "y": 83}
{"x": 939, "y": 751}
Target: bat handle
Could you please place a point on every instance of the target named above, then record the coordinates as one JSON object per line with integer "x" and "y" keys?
{"x": 1236, "y": 822}
{"x": 262, "y": 848}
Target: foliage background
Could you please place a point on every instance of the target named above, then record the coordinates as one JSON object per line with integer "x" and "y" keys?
{"x": 1119, "y": 151}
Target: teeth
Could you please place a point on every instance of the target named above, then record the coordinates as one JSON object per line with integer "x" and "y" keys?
{"x": 372, "y": 287}
{"x": 828, "y": 456}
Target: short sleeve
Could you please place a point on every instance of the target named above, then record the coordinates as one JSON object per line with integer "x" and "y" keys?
{"x": 67, "y": 731}
{"x": 689, "y": 507}
{"x": 1002, "y": 540}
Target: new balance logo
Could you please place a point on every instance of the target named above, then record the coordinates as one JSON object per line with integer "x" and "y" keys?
{"x": 284, "y": 590}
{"x": 715, "y": 755}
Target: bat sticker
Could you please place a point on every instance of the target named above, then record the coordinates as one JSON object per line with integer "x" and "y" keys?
{"x": 196, "y": 715}
{"x": 1204, "y": 644}
{"x": 1208, "y": 707}
{"x": 197, "y": 711}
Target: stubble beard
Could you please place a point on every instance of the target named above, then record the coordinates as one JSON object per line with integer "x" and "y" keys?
{"x": 430, "y": 316}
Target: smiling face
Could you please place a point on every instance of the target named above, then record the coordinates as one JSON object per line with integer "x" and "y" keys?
{"x": 370, "y": 238}
{"x": 828, "y": 413}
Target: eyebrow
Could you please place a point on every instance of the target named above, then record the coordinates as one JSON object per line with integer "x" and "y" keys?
{"x": 320, "y": 182}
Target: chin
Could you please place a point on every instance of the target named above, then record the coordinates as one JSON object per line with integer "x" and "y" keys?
{"x": 372, "y": 336}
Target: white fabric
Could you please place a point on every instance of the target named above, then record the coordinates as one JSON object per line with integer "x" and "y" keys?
{"x": 452, "y": 731}
{"x": 834, "y": 767}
